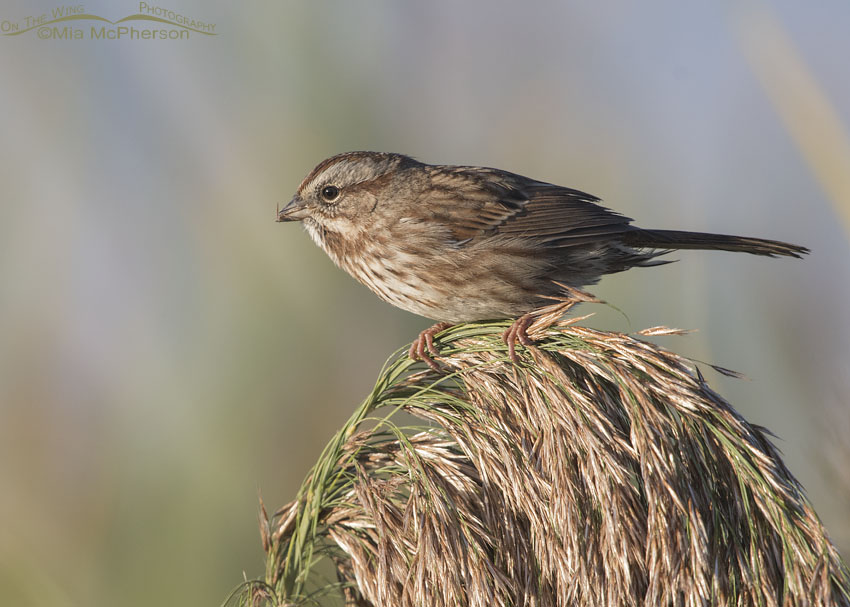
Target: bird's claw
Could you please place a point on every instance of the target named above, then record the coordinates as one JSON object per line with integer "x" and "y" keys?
{"x": 423, "y": 347}
{"x": 518, "y": 332}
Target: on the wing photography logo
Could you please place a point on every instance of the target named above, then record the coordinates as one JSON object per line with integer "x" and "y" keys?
{"x": 150, "y": 22}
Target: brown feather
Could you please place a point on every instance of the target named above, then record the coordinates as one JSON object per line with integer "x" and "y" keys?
{"x": 475, "y": 203}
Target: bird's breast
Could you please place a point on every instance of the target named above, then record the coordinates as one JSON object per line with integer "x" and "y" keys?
{"x": 450, "y": 286}
{"x": 396, "y": 277}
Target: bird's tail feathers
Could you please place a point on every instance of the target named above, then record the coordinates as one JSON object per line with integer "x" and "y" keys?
{"x": 676, "y": 239}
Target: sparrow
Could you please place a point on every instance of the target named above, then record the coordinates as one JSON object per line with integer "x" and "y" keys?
{"x": 468, "y": 243}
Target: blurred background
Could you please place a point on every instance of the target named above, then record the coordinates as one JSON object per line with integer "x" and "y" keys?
{"x": 167, "y": 350}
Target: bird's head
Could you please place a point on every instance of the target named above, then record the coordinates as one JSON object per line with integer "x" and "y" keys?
{"x": 342, "y": 194}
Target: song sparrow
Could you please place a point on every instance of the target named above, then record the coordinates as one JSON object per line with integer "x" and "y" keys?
{"x": 461, "y": 243}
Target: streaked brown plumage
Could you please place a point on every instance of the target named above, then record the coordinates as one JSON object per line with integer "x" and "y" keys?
{"x": 458, "y": 244}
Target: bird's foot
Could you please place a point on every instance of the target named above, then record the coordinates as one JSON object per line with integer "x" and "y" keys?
{"x": 518, "y": 332}
{"x": 423, "y": 347}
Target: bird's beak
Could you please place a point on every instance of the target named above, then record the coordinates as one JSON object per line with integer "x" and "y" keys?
{"x": 295, "y": 210}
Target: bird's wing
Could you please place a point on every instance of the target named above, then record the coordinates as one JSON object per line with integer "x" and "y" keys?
{"x": 475, "y": 203}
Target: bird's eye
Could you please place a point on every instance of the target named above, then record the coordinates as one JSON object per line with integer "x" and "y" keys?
{"x": 330, "y": 193}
